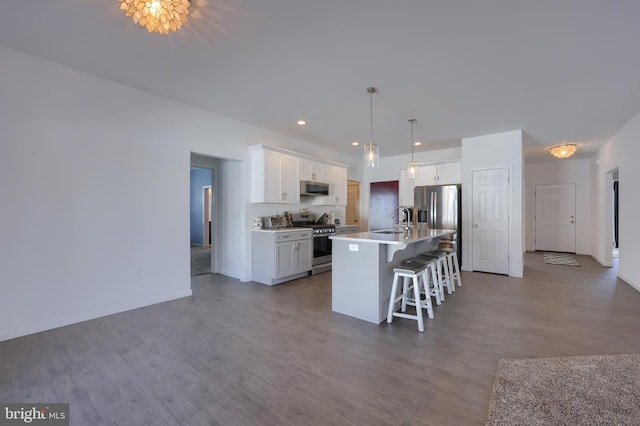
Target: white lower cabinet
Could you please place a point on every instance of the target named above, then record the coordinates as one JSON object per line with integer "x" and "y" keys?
{"x": 292, "y": 258}
{"x": 279, "y": 256}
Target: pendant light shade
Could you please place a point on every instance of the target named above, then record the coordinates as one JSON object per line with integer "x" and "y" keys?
{"x": 371, "y": 150}
{"x": 412, "y": 170}
{"x": 371, "y": 155}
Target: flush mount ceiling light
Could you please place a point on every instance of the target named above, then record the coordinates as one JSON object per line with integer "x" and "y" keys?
{"x": 301, "y": 122}
{"x": 412, "y": 170}
{"x": 162, "y": 16}
{"x": 564, "y": 150}
{"x": 371, "y": 151}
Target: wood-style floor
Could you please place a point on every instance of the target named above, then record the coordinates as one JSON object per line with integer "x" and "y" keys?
{"x": 248, "y": 354}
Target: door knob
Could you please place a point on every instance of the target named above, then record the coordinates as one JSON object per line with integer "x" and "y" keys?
{"x": 475, "y": 225}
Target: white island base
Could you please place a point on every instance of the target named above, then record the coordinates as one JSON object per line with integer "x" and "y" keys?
{"x": 362, "y": 268}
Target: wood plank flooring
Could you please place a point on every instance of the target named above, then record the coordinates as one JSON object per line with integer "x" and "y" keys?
{"x": 248, "y": 354}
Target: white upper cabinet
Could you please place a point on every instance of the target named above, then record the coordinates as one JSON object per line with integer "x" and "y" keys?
{"x": 449, "y": 173}
{"x": 405, "y": 189}
{"x": 309, "y": 170}
{"x": 274, "y": 178}
{"x": 439, "y": 174}
{"x": 336, "y": 177}
{"x": 338, "y": 186}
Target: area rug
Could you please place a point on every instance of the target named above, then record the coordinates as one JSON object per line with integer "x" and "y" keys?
{"x": 560, "y": 259}
{"x": 582, "y": 390}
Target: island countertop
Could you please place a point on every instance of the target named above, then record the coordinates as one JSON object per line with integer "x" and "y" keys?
{"x": 395, "y": 236}
{"x": 362, "y": 268}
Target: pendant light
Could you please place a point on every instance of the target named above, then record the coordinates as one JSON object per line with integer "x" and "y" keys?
{"x": 371, "y": 151}
{"x": 412, "y": 170}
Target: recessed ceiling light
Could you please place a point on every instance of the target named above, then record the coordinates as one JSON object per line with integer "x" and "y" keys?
{"x": 301, "y": 122}
{"x": 355, "y": 143}
{"x": 417, "y": 143}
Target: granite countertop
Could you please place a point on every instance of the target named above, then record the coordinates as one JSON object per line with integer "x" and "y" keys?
{"x": 394, "y": 236}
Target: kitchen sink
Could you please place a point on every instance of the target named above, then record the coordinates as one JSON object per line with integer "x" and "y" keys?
{"x": 389, "y": 231}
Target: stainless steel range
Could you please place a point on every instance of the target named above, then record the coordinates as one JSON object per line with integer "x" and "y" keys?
{"x": 321, "y": 261}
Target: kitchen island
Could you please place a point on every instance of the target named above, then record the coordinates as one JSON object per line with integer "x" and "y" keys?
{"x": 363, "y": 268}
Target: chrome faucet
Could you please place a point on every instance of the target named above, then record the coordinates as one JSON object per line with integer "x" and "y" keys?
{"x": 408, "y": 226}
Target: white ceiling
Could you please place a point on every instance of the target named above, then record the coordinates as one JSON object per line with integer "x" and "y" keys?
{"x": 557, "y": 69}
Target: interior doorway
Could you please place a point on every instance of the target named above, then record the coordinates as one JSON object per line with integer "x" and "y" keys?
{"x": 353, "y": 203}
{"x": 207, "y": 207}
{"x": 610, "y": 212}
{"x": 616, "y": 218}
{"x": 201, "y": 216}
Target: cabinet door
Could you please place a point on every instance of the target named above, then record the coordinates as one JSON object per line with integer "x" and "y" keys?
{"x": 405, "y": 189}
{"x": 303, "y": 253}
{"x": 309, "y": 170}
{"x": 427, "y": 175}
{"x": 290, "y": 183}
{"x": 339, "y": 187}
{"x": 285, "y": 259}
{"x": 449, "y": 173}
{"x": 273, "y": 190}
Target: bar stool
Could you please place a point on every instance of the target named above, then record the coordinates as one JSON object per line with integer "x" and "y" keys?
{"x": 454, "y": 265}
{"x": 442, "y": 271}
{"x": 409, "y": 270}
{"x": 431, "y": 284}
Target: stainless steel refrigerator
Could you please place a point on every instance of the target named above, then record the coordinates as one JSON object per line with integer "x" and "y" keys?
{"x": 438, "y": 207}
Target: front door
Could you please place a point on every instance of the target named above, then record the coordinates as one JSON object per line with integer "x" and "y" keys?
{"x": 490, "y": 220}
{"x": 555, "y": 219}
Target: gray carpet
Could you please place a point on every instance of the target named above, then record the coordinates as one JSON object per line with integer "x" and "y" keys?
{"x": 582, "y": 390}
{"x": 200, "y": 261}
{"x": 560, "y": 259}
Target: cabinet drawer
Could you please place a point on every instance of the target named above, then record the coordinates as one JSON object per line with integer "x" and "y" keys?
{"x": 292, "y": 236}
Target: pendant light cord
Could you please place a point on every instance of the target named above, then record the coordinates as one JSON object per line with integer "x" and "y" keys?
{"x": 371, "y": 90}
{"x": 412, "y": 121}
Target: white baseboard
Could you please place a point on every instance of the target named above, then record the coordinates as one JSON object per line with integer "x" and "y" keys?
{"x": 628, "y": 281}
{"x": 85, "y": 316}
{"x": 601, "y": 261}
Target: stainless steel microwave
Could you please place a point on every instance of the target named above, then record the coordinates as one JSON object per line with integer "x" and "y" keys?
{"x": 313, "y": 189}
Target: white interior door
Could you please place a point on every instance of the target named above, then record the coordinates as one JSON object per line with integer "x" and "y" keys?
{"x": 490, "y": 220}
{"x": 353, "y": 203}
{"x": 555, "y": 218}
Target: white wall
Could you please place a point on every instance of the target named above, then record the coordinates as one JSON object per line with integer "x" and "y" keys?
{"x": 621, "y": 152}
{"x": 498, "y": 150}
{"x": 558, "y": 172}
{"x": 94, "y": 182}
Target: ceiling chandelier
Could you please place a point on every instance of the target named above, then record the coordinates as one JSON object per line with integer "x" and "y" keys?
{"x": 564, "y": 150}
{"x": 162, "y": 16}
{"x": 371, "y": 151}
{"x": 412, "y": 170}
